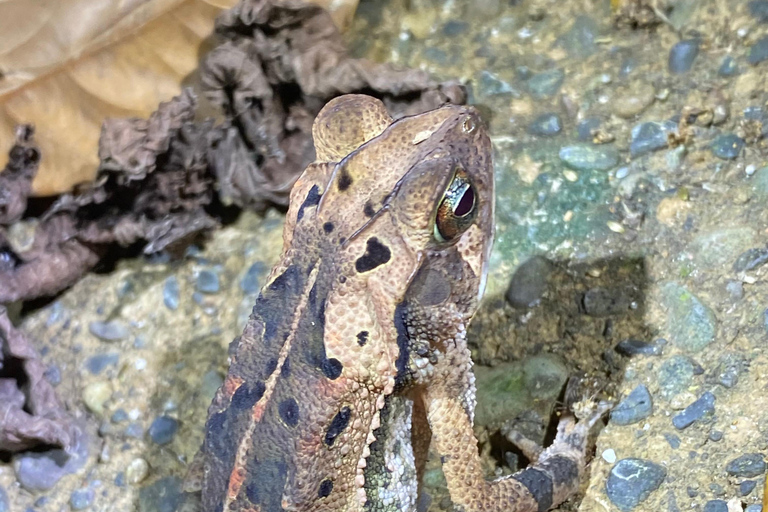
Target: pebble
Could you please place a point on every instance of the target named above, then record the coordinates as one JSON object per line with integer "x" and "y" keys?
{"x": 682, "y": 55}
{"x": 134, "y": 430}
{"x": 635, "y": 407}
{"x": 631, "y": 347}
{"x": 119, "y": 416}
{"x": 489, "y": 84}
{"x": 95, "y": 394}
{"x": 546, "y": 125}
{"x": 759, "y": 10}
{"x": 609, "y": 455}
{"x": 728, "y": 67}
{"x": 163, "y": 429}
{"x": 53, "y": 375}
{"x": 529, "y": 282}
{"x": 632, "y": 480}
{"x": 754, "y": 508}
{"x": 114, "y": 330}
{"x": 735, "y": 289}
{"x": 649, "y": 137}
{"x": 751, "y": 259}
{"x": 746, "y": 487}
{"x": 716, "y": 435}
{"x": 137, "y": 471}
{"x": 251, "y": 281}
{"x": 758, "y": 52}
{"x": 690, "y": 323}
{"x": 453, "y": 28}
{"x": 631, "y": 101}
{"x": 171, "y": 293}
{"x": 584, "y": 128}
{"x": 81, "y": 499}
{"x": 96, "y": 364}
{"x": 207, "y": 281}
{"x": 716, "y": 506}
{"x": 675, "y": 375}
{"x": 748, "y": 465}
{"x": 165, "y": 495}
{"x": 41, "y": 471}
{"x": 589, "y": 158}
{"x": 694, "y": 412}
{"x": 673, "y": 440}
{"x": 727, "y": 146}
{"x": 546, "y": 84}
{"x": 601, "y": 302}
{"x": 4, "y": 505}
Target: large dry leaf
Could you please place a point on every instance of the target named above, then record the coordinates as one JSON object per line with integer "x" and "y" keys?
{"x": 67, "y": 65}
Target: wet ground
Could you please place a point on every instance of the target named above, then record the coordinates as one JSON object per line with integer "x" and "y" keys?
{"x": 632, "y": 179}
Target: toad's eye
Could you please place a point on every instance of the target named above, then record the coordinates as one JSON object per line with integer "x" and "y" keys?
{"x": 457, "y": 209}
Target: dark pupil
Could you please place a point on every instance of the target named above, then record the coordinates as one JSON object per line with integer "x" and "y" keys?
{"x": 466, "y": 203}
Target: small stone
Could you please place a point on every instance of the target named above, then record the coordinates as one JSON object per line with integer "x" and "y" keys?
{"x": 164, "y": 495}
{"x": 114, "y": 330}
{"x": 546, "y": 84}
{"x": 632, "y": 481}
{"x": 629, "y": 102}
{"x": 758, "y": 52}
{"x": 134, "y": 430}
{"x": 746, "y": 487}
{"x": 691, "y": 491}
{"x": 691, "y": 324}
{"x": 751, "y": 259}
{"x": 81, "y": 499}
{"x": 96, "y": 364}
{"x": 727, "y": 146}
{"x": 542, "y": 374}
{"x": 251, "y": 281}
{"x": 171, "y": 293}
{"x": 631, "y": 347}
{"x": 754, "y": 508}
{"x": 728, "y": 67}
{"x": 635, "y": 407}
{"x": 163, "y": 429}
{"x": 546, "y": 125}
{"x": 650, "y": 136}
{"x": 735, "y": 289}
{"x": 4, "y": 505}
{"x": 454, "y": 28}
{"x": 697, "y": 410}
{"x": 137, "y": 471}
{"x": 53, "y": 375}
{"x": 673, "y": 440}
{"x": 749, "y": 465}
{"x": 716, "y": 506}
{"x": 207, "y": 282}
{"x": 589, "y": 158}
{"x": 489, "y": 85}
{"x": 586, "y": 127}
{"x": 682, "y": 55}
{"x": 529, "y": 282}
{"x": 759, "y": 10}
{"x": 119, "y": 416}
{"x": 95, "y": 394}
{"x": 41, "y": 471}
{"x": 716, "y": 435}
{"x": 609, "y": 455}
{"x": 601, "y": 302}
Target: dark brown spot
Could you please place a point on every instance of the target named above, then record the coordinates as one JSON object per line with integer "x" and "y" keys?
{"x": 362, "y": 338}
{"x": 332, "y": 368}
{"x": 328, "y": 227}
{"x": 368, "y": 209}
{"x": 246, "y": 396}
{"x": 289, "y": 411}
{"x": 271, "y": 367}
{"x": 376, "y": 254}
{"x": 345, "y": 180}
{"x": 313, "y": 199}
{"x": 338, "y": 424}
{"x": 326, "y": 486}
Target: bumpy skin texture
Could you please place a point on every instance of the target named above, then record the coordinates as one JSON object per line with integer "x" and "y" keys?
{"x": 355, "y": 353}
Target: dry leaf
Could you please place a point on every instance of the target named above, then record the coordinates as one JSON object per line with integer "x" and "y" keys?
{"x": 67, "y": 65}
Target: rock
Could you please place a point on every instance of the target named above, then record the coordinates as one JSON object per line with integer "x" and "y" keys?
{"x": 114, "y": 330}
{"x": 631, "y": 347}
{"x": 751, "y": 259}
{"x": 673, "y": 440}
{"x": 601, "y": 302}
{"x": 675, "y": 375}
{"x": 119, "y": 416}
{"x": 682, "y": 55}
{"x": 727, "y": 146}
{"x": 163, "y": 429}
{"x": 529, "y": 282}
{"x": 746, "y": 487}
{"x": 635, "y": 407}
{"x": 171, "y": 293}
{"x": 81, "y": 499}
{"x": 134, "y": 430}
{"x": 717, "y": 248}
{"x": 609, "y": 455}
{"x": 690, "y": 323}
{"x": 207, "y": 281}
{"x": 754, "y": 508}
{"x": 650, "y": 136}
{"x": 585, "y": 128}
{"x": 588, "y": 158}
{"x": 759, "y": 10}
{"x": 735, "y": 289}
{"x": 715, "y": 435}
{"x": 748, "y": 465}
{"x": 41, "y": 471}
{"x": 544, "y": 376}
{"x": 489, "y": 84}
{"x": 716, "y": 506}
{"x": 697, "y": 410}
{"x": 728, "y": 67}
{"x": 760, "y": 182}
{"x": 546, "y": 125}
{"x": 96, "y": 364}
{"x": 4, "y": 505}
{"x": 759, "y": 51}
{"x": 628, "y": 102}
{"x": 95, "y": 394}
{"x": 251, "y": 281}
{"x": 632, "y": 480}
{"x": 137, "y": 471}
{"x": 580, "y": 40}
{"x": 453, "y": 28}
{"x": 546, "y": 84}
{"x": 165, "y": 495}
{"x": 53, "y": 375}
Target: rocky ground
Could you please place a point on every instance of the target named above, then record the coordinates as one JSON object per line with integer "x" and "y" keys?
{"x": 631, "y": 250}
